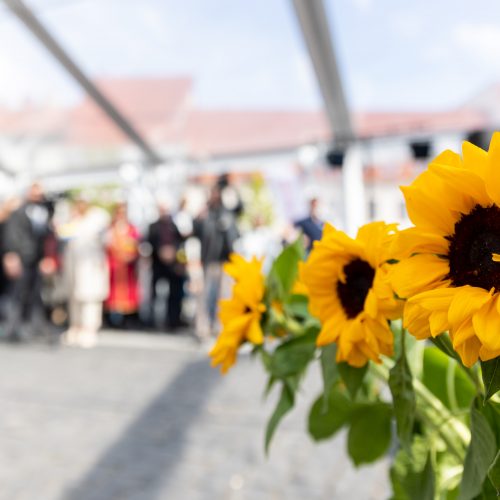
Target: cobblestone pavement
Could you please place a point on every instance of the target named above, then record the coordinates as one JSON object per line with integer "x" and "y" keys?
{"x": 143, "y": 417}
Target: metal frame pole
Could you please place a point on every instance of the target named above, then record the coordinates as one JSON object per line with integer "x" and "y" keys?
{"x": 26, "y": 16}
{"x": 313, "y": 22}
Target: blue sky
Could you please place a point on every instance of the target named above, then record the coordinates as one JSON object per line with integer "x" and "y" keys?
{"x": 249, "y": 53}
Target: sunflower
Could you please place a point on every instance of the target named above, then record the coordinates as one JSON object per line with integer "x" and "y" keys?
{"x": 450, "y": 272}
{"x": 240, "y": 315}
{"x": 349, "y": 291}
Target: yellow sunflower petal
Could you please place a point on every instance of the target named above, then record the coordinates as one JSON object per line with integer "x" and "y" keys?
{"x": 466, "y": 301}
{"x": 486, "y": 354}
{"x": 418, "y": 273}
{"x": 338, "y": 242}
{"x": 254, "y": 334}
{"x": 438, "y": 322}
{"x": 371, "y": 304}
{"x": 438, "y": 299}
{"x": 354, "y": 329}
{"x": 447, "y": 157}
{"x": 464, "y": 181}
{"x": 474, "y": 159}
{"x": 486, "y": 323}
{"x": 464, "y": 332}
{"x": 380, "y": 329}
{"x": 414, "y": 240}
{"x": 368, "y": 351}
{"x": 469, "y": 351}
{"x": 224, "y": 353}
{"x": 330, "y": 332}
{"x": 432, "y": 205}
{"x": 237, "y": 326}
{"x": 416, "y": 321}
{"x": 376, "y": 238}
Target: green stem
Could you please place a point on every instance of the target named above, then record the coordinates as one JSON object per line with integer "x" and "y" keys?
{"x": 450, "y": 385}
{"x": 476, "y": 378}
{"x": 293, "y": 327}
{"x": 450, "y": 443}
{"x": 456, "y": 435}
{"x": 443, "y": 342}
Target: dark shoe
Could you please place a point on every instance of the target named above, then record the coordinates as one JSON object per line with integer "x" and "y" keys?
{"x": 179, "y": 324}
{"x": 14, "y": 338}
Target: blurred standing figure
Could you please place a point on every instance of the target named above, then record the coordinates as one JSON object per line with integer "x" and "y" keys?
{"x": 6, "y": 208}
{"x": 216, "y": 229}
{"x": 312, "y": 225}
{"x": 86, "y": 273}
{"x": 25, "y": 234}
{"x": 166, "y": 241}
{"x": 122, "y": 248}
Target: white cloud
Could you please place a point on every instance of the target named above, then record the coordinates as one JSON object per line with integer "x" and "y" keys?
{"x": 305, "y": 74}
{"x": 480, "y": 40}
{"x": 363, "y": 6}
{"x": 436, "y": 54}
{"x": 407, "y": 24}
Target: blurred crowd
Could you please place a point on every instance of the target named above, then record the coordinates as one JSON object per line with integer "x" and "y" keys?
{"x": 60, "y": 280}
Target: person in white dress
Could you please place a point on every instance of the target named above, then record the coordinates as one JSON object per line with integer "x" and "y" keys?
{"x": 86, "y": 272}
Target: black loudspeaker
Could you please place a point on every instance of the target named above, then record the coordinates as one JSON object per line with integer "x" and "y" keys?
{"x": 480, "y": 138}
{"x": 421, "y": 150}
{"x": 335, "y": 158}
{"x": 223, "y": 181}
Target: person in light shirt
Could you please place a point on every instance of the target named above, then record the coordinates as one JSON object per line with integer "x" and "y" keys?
{"x": 86, "y": 272}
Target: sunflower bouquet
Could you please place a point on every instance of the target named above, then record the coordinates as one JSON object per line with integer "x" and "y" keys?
{"x": 405, "y": 326}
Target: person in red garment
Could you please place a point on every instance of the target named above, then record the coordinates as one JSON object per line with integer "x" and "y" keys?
{"x": 123, "y": 253}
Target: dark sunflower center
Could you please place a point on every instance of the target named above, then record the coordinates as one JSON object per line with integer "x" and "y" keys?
{"x": 475, "y": 239}
{"x": 352, "y": 294}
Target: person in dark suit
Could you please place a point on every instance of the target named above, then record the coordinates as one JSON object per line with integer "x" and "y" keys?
{"x": 166, "y": 242}
{"x": 217, "y": 231}
{"x": 25, "y": 235}
{"x": 312, "y": 225}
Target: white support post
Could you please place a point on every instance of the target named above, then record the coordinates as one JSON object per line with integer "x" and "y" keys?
{"x": 353, "y": 189}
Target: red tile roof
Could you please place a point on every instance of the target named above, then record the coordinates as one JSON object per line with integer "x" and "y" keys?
{"x": 153, "y": 106}
{"x": 226, "y": 132}
{"x": 33, "y": 121}
{"x": 393, "y": 123}
{"x": 160, "y": 109}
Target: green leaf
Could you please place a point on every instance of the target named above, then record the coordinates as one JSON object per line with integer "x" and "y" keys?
{"x": 329, "y": 370}
{"x": 270, "y": 384}
{"x": 297, "y": 306}
{"x": 491, "y": 376}
{"x": 425, "y": 482}
{"x": 412, "y": 475}
{"x": 494, "y": 473}
{"x": 480, "y": 455}
{"x": 435, "y": 377}
{"x": 403, "y": 397}
{"x": 322, "y": 423}
{"x": 264, "y": 356}
{"x": 285, "y": 404}
{"x": 284, "y": 270}
{"x": 293, "y": 356}
{"x": 370, "y": 432}
{"x": 443, "y": 343}
{"x": 352, "y": 377}
{"x": 491, "y": 410}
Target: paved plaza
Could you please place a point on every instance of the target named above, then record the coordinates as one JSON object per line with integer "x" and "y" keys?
{"x": 144, "y": 417}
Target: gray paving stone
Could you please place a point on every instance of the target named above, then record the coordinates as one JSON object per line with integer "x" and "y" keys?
{"x": 143, "y": 420}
